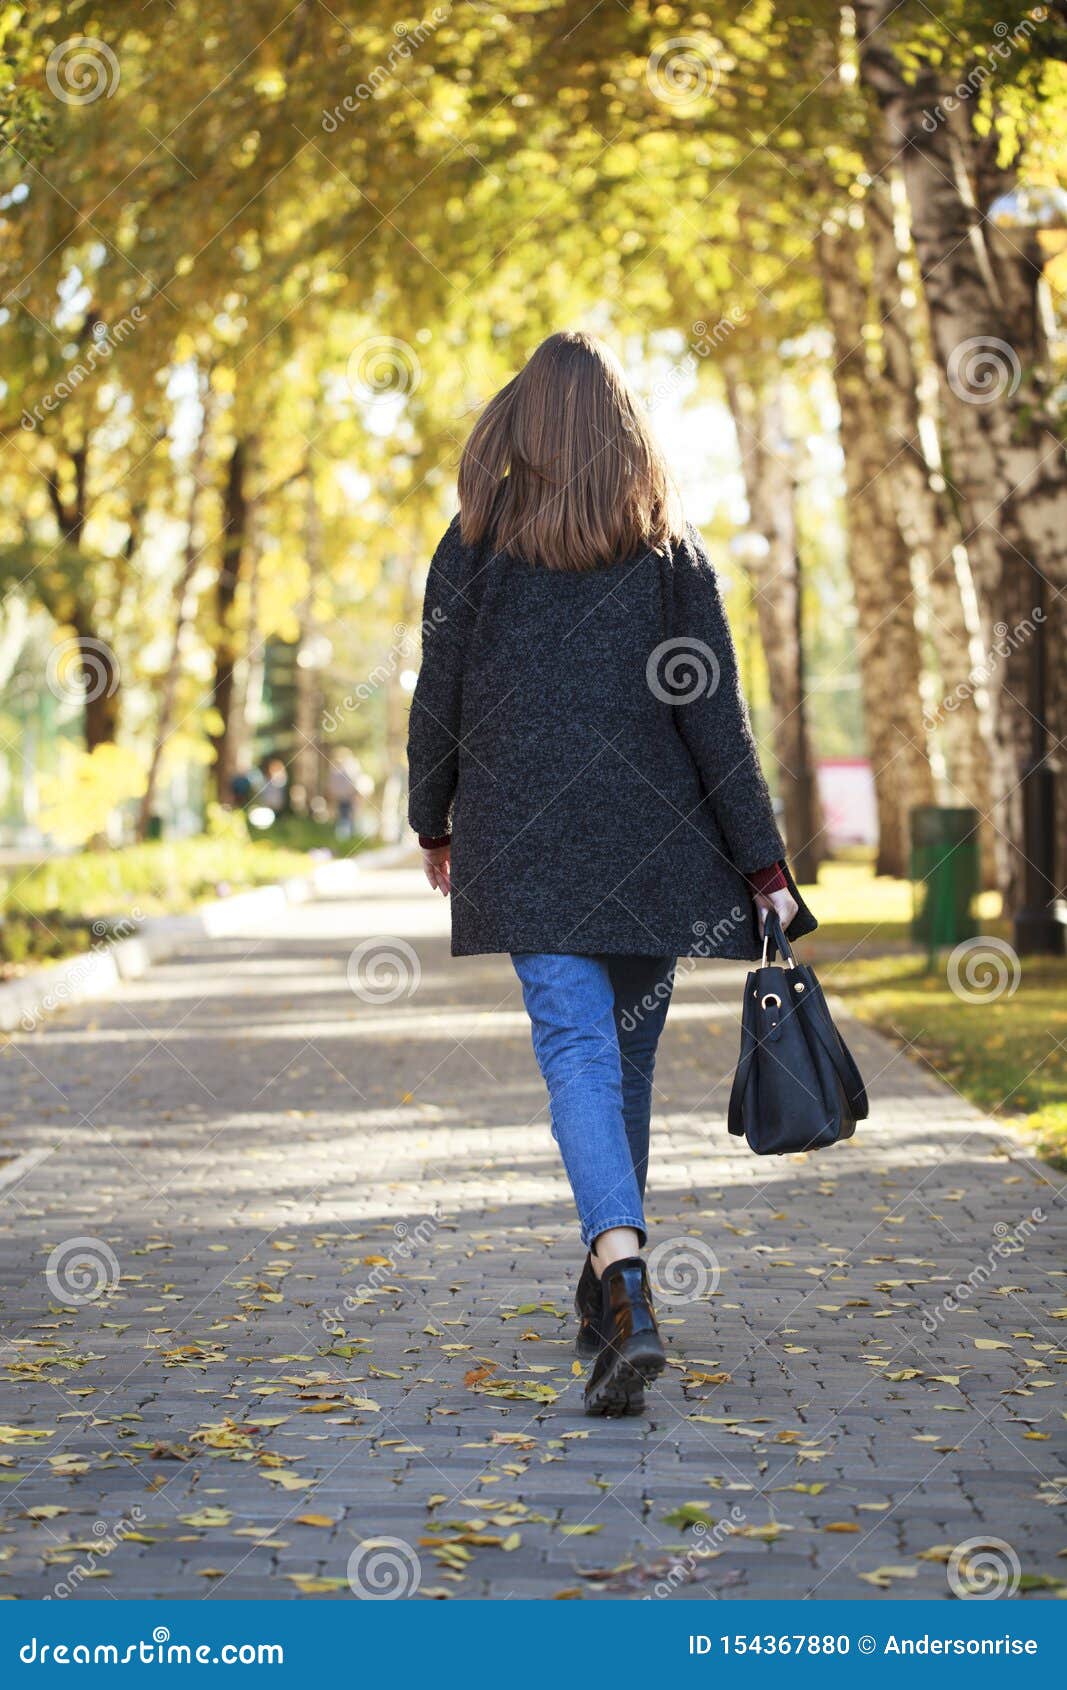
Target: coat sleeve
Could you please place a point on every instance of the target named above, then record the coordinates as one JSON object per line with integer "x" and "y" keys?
{"x": 710, "y": 710}
{"x": 448, "y": 615}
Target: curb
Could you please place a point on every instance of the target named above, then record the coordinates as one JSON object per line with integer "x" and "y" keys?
{"x": 95, "y": 974}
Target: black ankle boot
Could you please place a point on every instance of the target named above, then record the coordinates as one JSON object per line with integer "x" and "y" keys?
{"x": 631, "y": 1351}
{"x": 587, "y": 1308}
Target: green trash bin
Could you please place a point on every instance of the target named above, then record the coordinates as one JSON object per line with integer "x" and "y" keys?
{"x": 944, "y": 874}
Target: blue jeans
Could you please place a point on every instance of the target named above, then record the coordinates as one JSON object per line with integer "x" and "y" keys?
{"x": 596, "y": 1023}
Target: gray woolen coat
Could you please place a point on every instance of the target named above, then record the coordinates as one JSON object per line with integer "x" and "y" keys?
{"x": 584, "y": 737}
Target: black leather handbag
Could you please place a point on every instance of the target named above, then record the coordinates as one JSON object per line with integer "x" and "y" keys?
{"x": 797, "y": 1086}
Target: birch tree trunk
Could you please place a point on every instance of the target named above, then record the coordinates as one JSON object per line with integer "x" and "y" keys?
{"x": 956, "y": 712}
{"x": 761, "y": 438}
{"x": 983, "y": 295}
{"x": 888, "y": 651}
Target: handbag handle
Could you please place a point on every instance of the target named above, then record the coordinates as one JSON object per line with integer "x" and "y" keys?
{"x": 775, "y": 942}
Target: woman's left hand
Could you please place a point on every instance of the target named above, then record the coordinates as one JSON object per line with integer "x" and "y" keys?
{"x": 783, "y": 903}
{"x": 437, "y": 867}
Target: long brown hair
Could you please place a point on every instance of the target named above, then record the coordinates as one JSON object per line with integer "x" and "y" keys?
{"x": 561, "y": 468}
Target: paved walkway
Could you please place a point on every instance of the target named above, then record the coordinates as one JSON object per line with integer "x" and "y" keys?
{"x": 324, "y": 1303}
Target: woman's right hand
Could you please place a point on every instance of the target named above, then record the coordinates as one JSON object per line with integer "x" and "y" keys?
{"x": 437, "y": 867}
{"x": 782, "y": 902}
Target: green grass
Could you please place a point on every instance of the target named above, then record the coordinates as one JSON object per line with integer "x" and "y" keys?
{"x": 856, "y": 907}
{"x": 304, "y": 833}
{"x": 64, "y": 905}
{"x": 1008, "y": 1055}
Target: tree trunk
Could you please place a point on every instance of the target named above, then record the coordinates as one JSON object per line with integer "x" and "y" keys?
{"x": 307, "y": 763}
{"x": 888, "y": 652}
{"x": 246, "y": 707}
{"x": 234, "y": 539}
{"x": 983, "y": 296}
{"x": 760, "y": 426}
{"x": 100, "y": 677}
{"x": 98, "y": 664}
{"x": 392, "y": 803}
{"x": 172, "y": 675}
{"x": 956, "y": 714}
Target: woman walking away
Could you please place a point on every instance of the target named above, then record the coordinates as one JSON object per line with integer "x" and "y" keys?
{"x": 585, "y": 784}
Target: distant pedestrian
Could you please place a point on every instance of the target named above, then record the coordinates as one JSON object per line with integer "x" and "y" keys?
{"x": 274, "y": 792}
{"x": 585, "y": 784}
{"x": 242, "y": 786}
{"x": 344, "y": 786}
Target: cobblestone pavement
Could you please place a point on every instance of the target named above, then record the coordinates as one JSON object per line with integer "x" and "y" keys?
{"x": 325, "y": 1272}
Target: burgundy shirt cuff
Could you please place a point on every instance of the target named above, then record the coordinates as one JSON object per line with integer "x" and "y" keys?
{"x": 766, "y": 880}
{"x": 434, "y": 844}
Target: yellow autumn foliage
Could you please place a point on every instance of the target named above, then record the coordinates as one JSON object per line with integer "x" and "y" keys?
{"x": 78, "y": 801}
